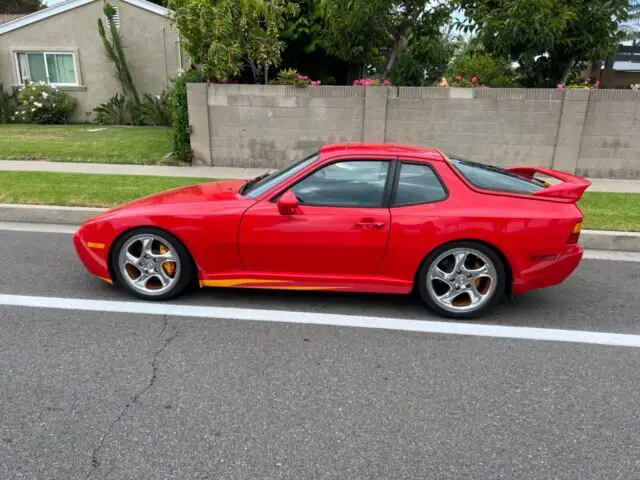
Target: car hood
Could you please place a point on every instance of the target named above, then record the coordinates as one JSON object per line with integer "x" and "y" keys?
{"x": 213, "y": 191}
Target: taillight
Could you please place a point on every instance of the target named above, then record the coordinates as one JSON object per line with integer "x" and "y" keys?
{"x": 575, "y": 233}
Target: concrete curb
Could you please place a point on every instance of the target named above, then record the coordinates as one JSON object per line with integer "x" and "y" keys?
{"x": 601, "y": 240}
{"x": 590, "y": 239}
{"x": 10, "y": 212}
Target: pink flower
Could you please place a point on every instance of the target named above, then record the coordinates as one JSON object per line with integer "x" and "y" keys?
{"x": 224, "y": 80}
{"x": 560, "y": 86}
{"x": 474, "y": 79}
{"x": 458, "y": 78}
{"x": 356, "y": 83}
{"x": 304, "y": 77}
{"x": 318, "y": 82}
{"x": 386, "y": 83}
{"x": 597, "y": 82}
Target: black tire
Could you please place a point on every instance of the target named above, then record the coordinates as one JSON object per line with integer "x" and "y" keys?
{"x": 492, "y": 298}
{"x": 186, "y": 273}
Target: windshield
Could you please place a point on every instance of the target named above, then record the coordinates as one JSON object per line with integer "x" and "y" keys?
{"x": 256, "y": 187}
{"x": 496, "y": 179}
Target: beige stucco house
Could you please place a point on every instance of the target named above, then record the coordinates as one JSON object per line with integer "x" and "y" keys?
{"x": 60, "y": 45}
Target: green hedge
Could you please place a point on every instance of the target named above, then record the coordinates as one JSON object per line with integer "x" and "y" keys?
{"x": 180, "y": 114}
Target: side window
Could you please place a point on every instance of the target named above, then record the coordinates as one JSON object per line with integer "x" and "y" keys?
{"x": 353, "y": 183}
{"x": 418, "y": 184}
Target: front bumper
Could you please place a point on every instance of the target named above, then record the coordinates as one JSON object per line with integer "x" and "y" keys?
{"x": 94, "y": 255}
{"x": 547, "y": 273}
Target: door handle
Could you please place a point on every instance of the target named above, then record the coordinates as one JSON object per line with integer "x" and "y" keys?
{"x": 368, "y": 225}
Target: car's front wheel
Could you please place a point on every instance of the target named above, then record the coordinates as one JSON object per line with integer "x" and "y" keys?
{"x": 151, "y": 264}
{"x": 462, "y": 280}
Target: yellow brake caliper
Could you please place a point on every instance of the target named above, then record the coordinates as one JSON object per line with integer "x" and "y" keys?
{"x": 168, "y": 267}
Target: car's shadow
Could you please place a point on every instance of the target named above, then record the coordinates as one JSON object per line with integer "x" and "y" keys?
{"x": 373, "y": 305}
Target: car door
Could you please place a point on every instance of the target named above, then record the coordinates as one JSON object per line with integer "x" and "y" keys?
{"x": 340, "y": 226}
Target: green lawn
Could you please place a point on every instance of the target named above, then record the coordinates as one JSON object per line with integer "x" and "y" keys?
{"x": 85, "y": 143}
{"x": 611, "y": 211}
{"x": 79, "y": 189}
{"x": 602, "y": 211}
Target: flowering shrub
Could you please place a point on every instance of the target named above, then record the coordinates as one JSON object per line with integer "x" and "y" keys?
{"x": 584, "y": 85}
{"x": 291, "y": 76}
{"x": 461, "y": 82}
{"x": 42, "y": 103}
{"x": 371, "y": 82}
{"x": 224, "y": 81}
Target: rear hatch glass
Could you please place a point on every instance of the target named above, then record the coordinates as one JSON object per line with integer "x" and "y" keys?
{"x": 487, "y": 177}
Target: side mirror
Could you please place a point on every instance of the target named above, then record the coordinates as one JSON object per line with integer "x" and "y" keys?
{"x": 288, "y": 203}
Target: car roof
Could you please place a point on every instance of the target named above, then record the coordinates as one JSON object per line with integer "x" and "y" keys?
{"x": 428, "y": 153}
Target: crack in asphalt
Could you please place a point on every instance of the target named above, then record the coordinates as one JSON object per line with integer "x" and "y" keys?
{"x": 95, "y": 460}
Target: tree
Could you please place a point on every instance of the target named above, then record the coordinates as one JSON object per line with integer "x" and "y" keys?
{"x": 304, "y": 51}
{"x": 378, "y": 31}
{"x": 423, "y": 62}
{"x": 115, "y": 53}
{"x": 547, "y": 38}
{"x": 20, "y": 6}
{"x": 223, "y": 35}
{"x": 472, "y": 60}
{"x": 631, "y": 29}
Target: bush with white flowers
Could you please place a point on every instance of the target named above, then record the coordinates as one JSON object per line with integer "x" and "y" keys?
{"x": 42, "y": 103}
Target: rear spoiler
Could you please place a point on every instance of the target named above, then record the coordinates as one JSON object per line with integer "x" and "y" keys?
{"x": 570, "y": 190}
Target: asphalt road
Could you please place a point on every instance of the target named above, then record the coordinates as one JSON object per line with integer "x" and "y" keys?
{"x": 135, "y": 396}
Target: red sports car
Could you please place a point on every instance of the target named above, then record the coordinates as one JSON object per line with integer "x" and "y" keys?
{"x": 375, "y": 218}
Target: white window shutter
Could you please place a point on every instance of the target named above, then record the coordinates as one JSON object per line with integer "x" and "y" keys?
{"x": 116, "y": 19}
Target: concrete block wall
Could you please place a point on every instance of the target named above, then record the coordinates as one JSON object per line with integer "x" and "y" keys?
{"x": 501, "y": 127}
{"x": 610, "y": 144}
{"x": 270, "y": 126}
{"x": 593, "y": 133}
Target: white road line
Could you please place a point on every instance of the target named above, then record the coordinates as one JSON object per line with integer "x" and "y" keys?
{"x": 244, "y": 314}
{"x": 37, "y": 227}
{"x": 611, "y": 255}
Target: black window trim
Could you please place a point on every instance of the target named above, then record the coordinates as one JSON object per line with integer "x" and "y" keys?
{"x": 386, "y": 194}
{"x": 397, "y": 182}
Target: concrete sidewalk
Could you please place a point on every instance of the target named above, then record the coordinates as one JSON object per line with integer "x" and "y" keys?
{"x": 125, "y": 169}
{"x": 598, "y": 184}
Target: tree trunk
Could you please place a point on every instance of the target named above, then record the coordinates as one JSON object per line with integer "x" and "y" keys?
{"x": 393, "y": 57}
{"x": 401, "y": 42}
{"x": 254, "y": 70}
{"x": 266, "y": 74}
{"x": 566, "y": 71}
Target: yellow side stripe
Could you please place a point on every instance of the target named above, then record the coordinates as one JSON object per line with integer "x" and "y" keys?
{"x": 304, "y": 287}
{"x": 260, "y": 283}
{"x": 108, "y": 280}
{"x": 235, "y": 282}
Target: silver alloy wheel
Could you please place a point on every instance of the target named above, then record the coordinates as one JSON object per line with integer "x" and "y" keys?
{"x": 461, "y": 280}
{"x": 149, "y": 264}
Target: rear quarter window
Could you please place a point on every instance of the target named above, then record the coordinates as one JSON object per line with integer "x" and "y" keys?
{"x": 495, "y": 179}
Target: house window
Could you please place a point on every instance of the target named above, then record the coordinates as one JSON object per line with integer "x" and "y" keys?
{"x": 48, "y": 67}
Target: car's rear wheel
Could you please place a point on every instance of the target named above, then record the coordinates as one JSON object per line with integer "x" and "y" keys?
{"x": 462, "y": 280}
{"x": 151, "y": 264}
